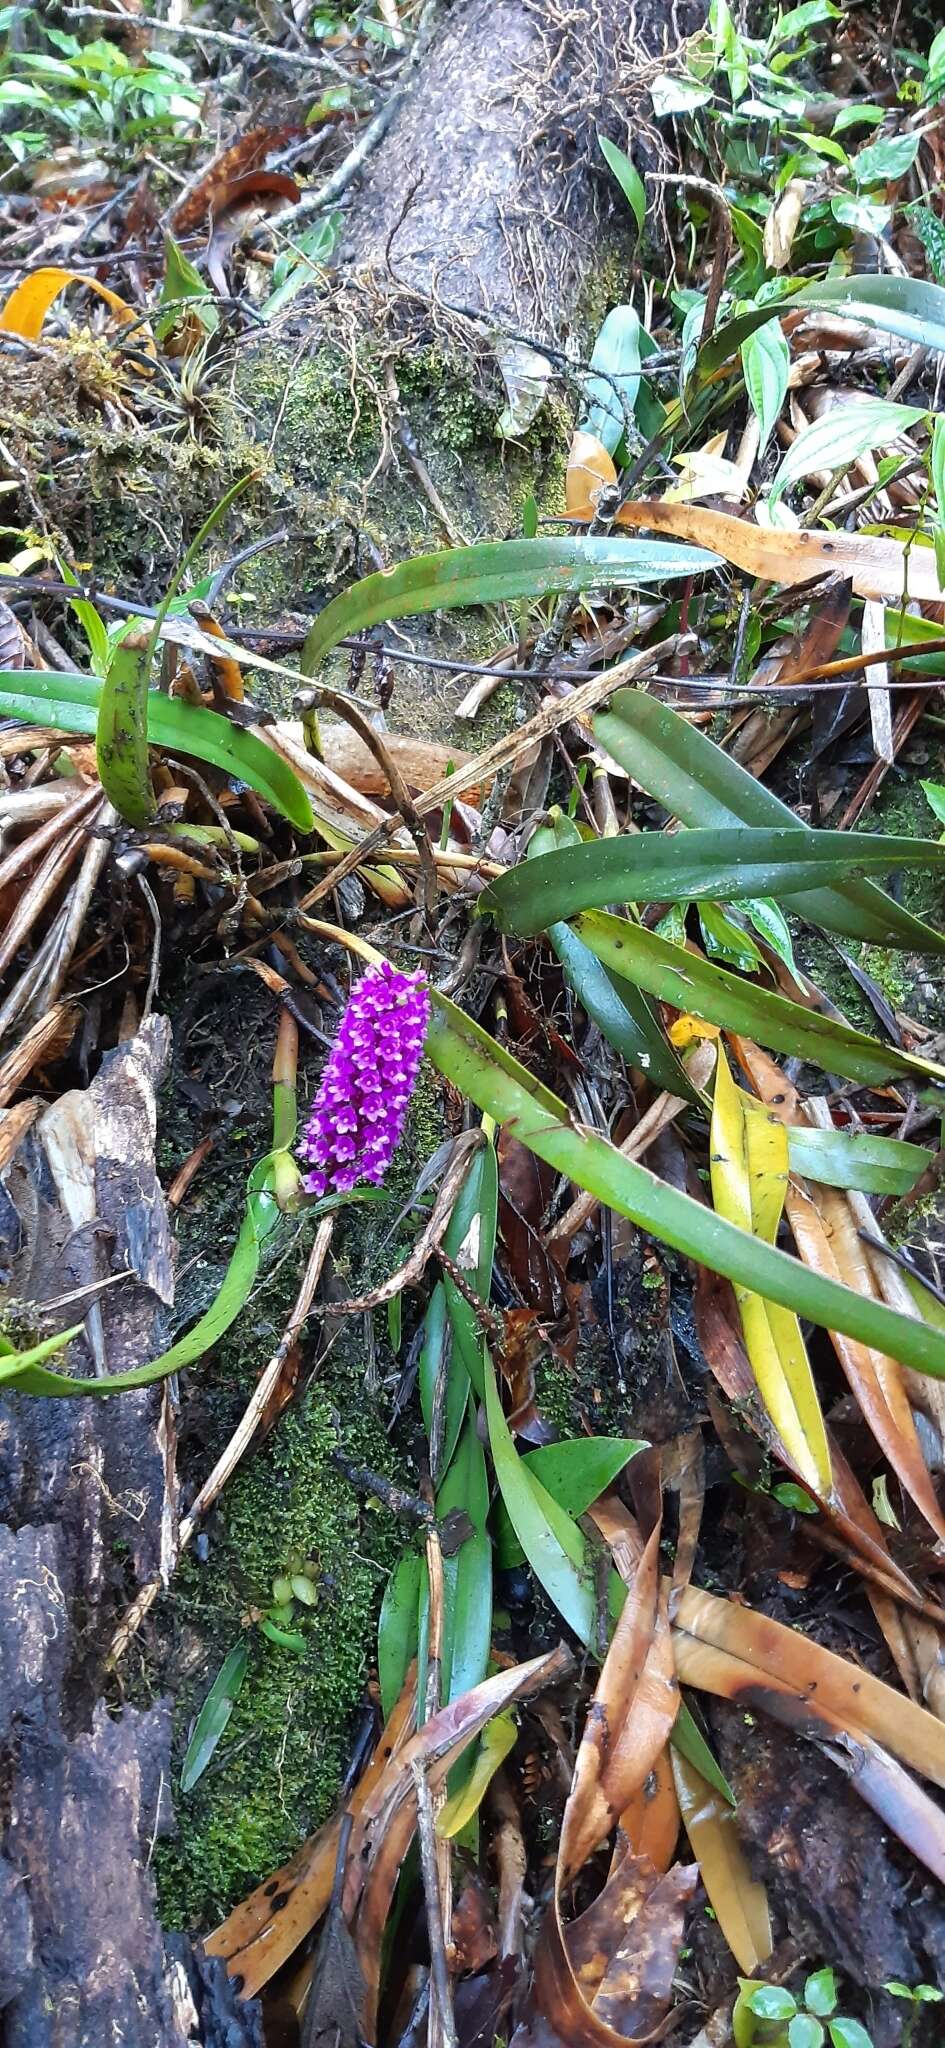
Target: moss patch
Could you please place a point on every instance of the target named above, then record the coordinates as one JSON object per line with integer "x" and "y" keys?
{"x": 276, "y": 1774}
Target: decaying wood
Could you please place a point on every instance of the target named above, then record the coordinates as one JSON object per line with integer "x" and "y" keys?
{"x": 86, "y": 1793}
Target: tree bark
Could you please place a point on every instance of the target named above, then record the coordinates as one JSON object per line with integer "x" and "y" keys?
{"x": 484, "y": 194}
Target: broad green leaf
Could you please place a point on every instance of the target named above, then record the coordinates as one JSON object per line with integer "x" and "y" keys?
{"x": 859, "y": 114}
{"x": 855, "y": 1159}
{"x": 702, "y": 785}
{"x": 183, "y": 282}
{"x": 492, "y": 572}
{"x": 121, "y": 736}
{"x": 805, "y": 2032}
{"x": 467, "y": 1575}
{"x": 771, "y": 926}
{"x": 398, "y": 1628}
{"x": 552, "y": 1543}
{"x": 500, "y": 1086}
{"x": 799, "y": 19}
{"x": 717, "y": 864}
{"x": 886, "y": 159}
{"x": 628, "y": 178}
{"x": 749, "y": 1168}
{"x": 845, "y": 432}
{"x": 574, "y": 1473}
{"x": 907, "y": 306}
{"x": 820, "y": 1993}
{"x": 766, "y": 361}
{"x": 867, "y": 216}
{"x": 213, "y": 1716}
{"x": 934, "y": 793}
{"x": 610, "y": 391}
{"x": 726, "y": 940}
{"x": 496, "y": 1743}
{"x": 436, "y": 1359}
{"x": 771, "y": 2002}
{"x": 696, "y": 986}
{"x": 677, "y": 95}
{"x": 847, "y": 2033}
{"x": 562, "y": 1561}
{"x": 935, "y": 77}
{"x": 623, "y": 1015}
{"x": 475, "y": 1217}
{"x": 70, "y": 703}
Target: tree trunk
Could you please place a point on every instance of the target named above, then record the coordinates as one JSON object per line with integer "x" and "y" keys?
{"x": 484, "y": 198}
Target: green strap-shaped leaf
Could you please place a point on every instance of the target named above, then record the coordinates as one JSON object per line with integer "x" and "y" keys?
{"x": 70, "y": 703}
{"x": 856, "y": 1159}
{"x": 561, "y": 1561}
{"x": 493, "y": 572}
{"x": 121, "y": 736}
{"x": 496, "y": 1082}
{"x": 693, "y": 984}
{"x": 622, "y": 1013}
{"x": 907, "y": 306}
{"x": 720, "y": 864}
{"x": 398, "y": 1628}
{"x": 701, "y": 785}
{"x": 261, "y": 1218}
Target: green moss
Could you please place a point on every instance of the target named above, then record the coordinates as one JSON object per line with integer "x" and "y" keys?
{"x": 276, "y": 1774}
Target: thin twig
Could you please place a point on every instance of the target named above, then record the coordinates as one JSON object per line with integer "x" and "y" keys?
{"x": 442, "y": 2022}
{"x": 345, "y": 172}
{"x": 403, "y": 801}
{"x": 576, "y": 706}
{"x": 195, "y": 32}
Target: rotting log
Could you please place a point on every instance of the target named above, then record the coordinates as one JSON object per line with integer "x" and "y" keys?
{"x": 87, "y": 1793}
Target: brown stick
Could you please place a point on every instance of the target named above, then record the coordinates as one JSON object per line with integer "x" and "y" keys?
{"x": 576, "y": 706}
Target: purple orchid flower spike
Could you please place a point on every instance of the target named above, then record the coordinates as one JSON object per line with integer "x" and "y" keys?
{"x": 358, "y": 1115}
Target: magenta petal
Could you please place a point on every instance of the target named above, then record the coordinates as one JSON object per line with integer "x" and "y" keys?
{"x": 358, "y": 1115}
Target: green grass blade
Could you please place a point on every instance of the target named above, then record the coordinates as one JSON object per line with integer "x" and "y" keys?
{"x": 718, "y": 865}
{"x": 213, "y": 1716}
{"x": 491, "y": 1078}
{"x": 693, "y": 984}
{"x": 701, "y": 785}
{"x": 495, "y": 572}
{"x": 70, "y": 703}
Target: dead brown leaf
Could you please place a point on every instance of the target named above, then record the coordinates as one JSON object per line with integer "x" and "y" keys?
{"x": 628, "y": 1721}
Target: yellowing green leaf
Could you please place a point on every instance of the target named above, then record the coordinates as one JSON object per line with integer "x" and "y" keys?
{"x": 497, "y": 1740}
{"x": 749, "y": 1168}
